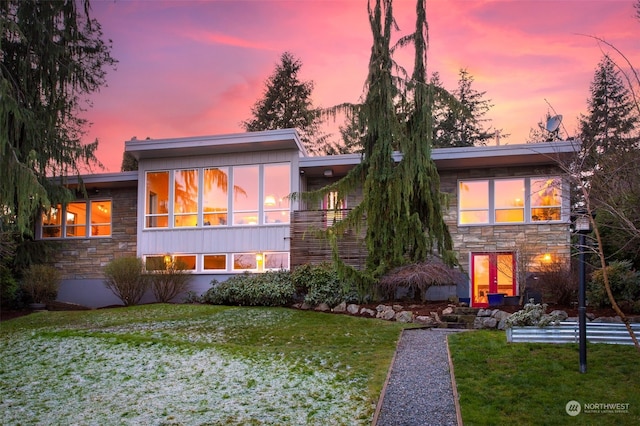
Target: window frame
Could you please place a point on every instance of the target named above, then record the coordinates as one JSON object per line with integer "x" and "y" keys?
{"x": 65, "y": 228}
{"x": 527, "y": 202}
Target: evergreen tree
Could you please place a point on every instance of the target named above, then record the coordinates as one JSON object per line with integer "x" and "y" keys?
{"x": 51, "y": 56}
{"x": 401, "y": 202}
{"x": 287, "y": 104}
{"x": 610, "y": 123}
{"x": 462, "y": 125}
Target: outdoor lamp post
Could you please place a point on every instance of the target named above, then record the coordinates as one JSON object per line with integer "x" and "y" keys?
{"x": 582, "y": 226}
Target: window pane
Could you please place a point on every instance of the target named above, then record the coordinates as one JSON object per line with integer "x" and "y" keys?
{"x": 277, "y": 216}
{"x": 100, "y": 218}
{"x": 215, "y": 196}
{"x": 244, "y": 261}
{"x": 474, "y": 195}
{"x": 546, "y": 199}
{"x": 157, "y": 199}
{"x": 155, "y": 263}
{"x": 277, "y": 180}
{"x": 185, "y": 199}
{"x": 76, "y": 219}
{"x": 245, "y": 195}
{"x": 276, "y": 261}
{"x": 215, "y": 262}
{"x": 52, "y": 222}
{"x": 474, "y": 216}
{"x": 186, "y": 261}
{"x": 509, "y": 193}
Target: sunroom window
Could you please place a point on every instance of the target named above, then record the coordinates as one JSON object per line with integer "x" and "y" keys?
{"x": 276, "y": 193}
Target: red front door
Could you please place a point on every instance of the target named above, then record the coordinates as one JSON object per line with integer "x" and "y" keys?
{"x": 491, "y": 273}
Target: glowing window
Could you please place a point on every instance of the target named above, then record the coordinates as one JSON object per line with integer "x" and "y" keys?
{"x": 215, "y": 197}
{"x": 186, "y": 261}
{"x": 546, "y": 199}
{"x": 277, "y": 179}
{"x": 215, "y": 262}
{"x": 185, "y": 198}
{"x": 157, "y": 200}
{"x": 245, "y": 195}
{"x": 52, "y": 222}
{"x": 509, "y": 200}
{"x": 76, "y": 219}
{"x": 100, "y": 218}
{"x": 473, "y": 197}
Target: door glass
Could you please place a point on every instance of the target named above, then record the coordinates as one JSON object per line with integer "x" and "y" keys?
{"x": 481, "y": 269}
{"x": 504, "y": 262}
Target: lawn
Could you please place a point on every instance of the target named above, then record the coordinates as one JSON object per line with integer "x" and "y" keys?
{"x": 531, "y": 383}
{"x": 193, "y": 364}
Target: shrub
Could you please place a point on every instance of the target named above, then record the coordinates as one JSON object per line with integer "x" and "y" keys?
{"x": 273, "y": 288}
{"x": 321, "y": 284}
{"x": 125, "y": 278}
{"x": 533, "y": 314}
{"x": 9, "y": 289}
{"x": 624, "y": 282}
{"x": 558, "y": 283}
{"x": 167, "y": 283}
{"x": 41, "y": 283}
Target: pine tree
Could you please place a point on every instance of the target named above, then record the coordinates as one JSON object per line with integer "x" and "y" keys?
{"x": 51, "y": 56}
{"x": 462, "y": 125}
{"x": 286, "y": 103}
{"x": 610, "y": 123}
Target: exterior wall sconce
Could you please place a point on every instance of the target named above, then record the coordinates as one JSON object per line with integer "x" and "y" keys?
{"x": 328, "y": 173}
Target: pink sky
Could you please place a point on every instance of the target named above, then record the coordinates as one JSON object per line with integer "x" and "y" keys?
{"x": 193, "y": 68}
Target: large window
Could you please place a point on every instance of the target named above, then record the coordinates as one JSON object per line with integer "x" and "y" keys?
{"x": 70, "y": 221}
{"x": 157, "y": 200}
{"x": 218, "y": 196}
{"x": 276, "y": 193}
{"x": 215, "y": 196}
{"x": 503, "y": 201}
{"x": 185, "y": 198}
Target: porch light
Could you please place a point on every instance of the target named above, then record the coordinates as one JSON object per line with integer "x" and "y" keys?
{"x": 547, "y": 258}
{"x": 328, "y": 173}
{"x": 167, "y": 259}
{"x": 259, "y": 257}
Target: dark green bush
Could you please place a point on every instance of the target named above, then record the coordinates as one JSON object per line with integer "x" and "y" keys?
{"x": 272, "y": 288}
{"x": 125, "y": 278}
{"x": 321, "y": 284}
{"x": 624, "y": 282}
{"x": 10, "y": 293}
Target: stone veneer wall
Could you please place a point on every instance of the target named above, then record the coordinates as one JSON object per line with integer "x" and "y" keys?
{"x": 552, "y": 238}
{"x": 84, "y": 258}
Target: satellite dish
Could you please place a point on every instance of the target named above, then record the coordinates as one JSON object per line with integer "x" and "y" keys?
{"x": 553, "y": 123}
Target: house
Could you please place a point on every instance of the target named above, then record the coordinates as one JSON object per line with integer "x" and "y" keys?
{"x": 220, "y": 204}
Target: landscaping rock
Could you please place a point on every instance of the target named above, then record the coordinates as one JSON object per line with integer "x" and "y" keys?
{"x": 367, "y": 311}
{"x": 484, "y": 312}
{"x": 353, "y": 308}
{"x": 323, "y": 307}
{"x": 342, "y": 307}
{"x": 389, "y": 314}
{"x": 447, "y": 311}
{"x": 305, "y": 306}
{"x": 501, "y": 315}
{"x": 562, "y": 315}
{"x": 398, "y": 308}
{"x": 425, "y": 320}
{"x": 404, "y": 316}
{"x": 381, "y": 308}
{"x": 485, "y": 322}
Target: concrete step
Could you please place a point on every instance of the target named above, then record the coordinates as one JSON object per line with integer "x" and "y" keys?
{"x": 460, "y": 310}
{"x": 456, "y": 325}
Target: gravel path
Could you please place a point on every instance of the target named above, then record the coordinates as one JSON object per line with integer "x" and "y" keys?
{"x": 419, "y": 390}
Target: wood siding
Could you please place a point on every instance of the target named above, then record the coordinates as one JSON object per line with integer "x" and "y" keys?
{"x": 307, "y": 247}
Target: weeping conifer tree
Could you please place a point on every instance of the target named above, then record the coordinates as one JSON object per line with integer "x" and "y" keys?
{"x": 401, "y": 203}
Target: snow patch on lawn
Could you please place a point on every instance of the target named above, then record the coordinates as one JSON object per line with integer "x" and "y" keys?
{"x": 103, "y": 381}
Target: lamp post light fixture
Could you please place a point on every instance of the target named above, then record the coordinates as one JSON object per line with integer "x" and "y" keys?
{"x": 582, "y": 225}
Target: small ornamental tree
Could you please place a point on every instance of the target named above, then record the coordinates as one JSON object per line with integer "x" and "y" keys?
{"x": 169, "y": 282}
{"x": 125, "y": 278}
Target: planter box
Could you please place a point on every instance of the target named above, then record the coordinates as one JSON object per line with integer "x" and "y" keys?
{"x": 495, "y": 299}
{"x": 568, "y": 332}
{"x": 511, "y": 300}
